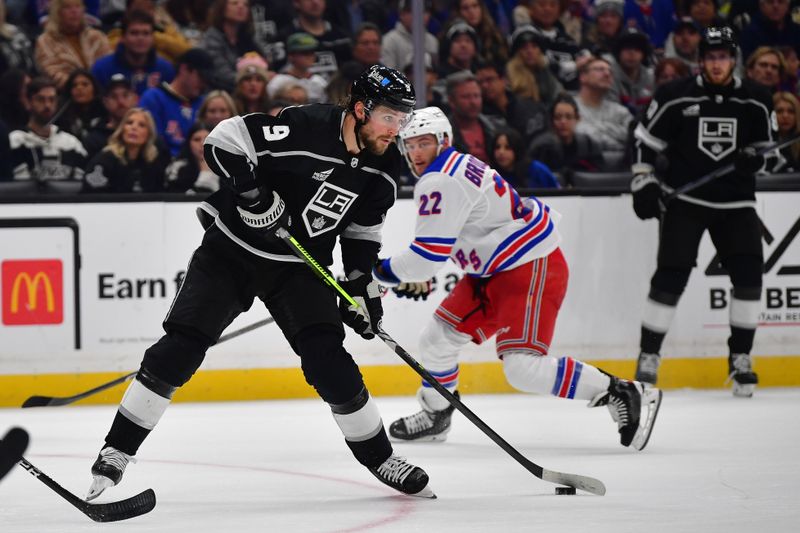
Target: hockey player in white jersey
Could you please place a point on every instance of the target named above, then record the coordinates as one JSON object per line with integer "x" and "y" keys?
{"x": 515, "y": 281}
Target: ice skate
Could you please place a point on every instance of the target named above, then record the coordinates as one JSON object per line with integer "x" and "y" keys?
{"x": 107, "y": 470}
{"x": 740, "y": 371}
{"x": 401, "y": 475}
{"x": 647, "y": 367}
{"x": 633, "y": 407}
{"x": 427, "y": 425}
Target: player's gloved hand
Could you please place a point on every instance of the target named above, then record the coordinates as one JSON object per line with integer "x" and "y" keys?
{"x": 382, "y": 271}
{"x": 647, "y": 195}
{"x": 748, "y": 161}
{"x": 413, "y": 289}
{"x": 364, "y": 319}
{"x": 263, "y": 211}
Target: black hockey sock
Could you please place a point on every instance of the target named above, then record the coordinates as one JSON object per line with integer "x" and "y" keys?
{"x": 741, "y": 339}
{"x": 373, "y": 451}
{"x": 651, "y": 340}
{"x": 126, "y": 436}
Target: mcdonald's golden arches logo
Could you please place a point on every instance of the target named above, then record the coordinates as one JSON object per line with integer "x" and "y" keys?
{"x": 33, "y": 292}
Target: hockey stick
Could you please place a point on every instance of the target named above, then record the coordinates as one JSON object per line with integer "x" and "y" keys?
{"x": 142, "y": 503}
{"x": 54, "y": 401}
{"x": 721, "y": 171}
{"x": 12, "y": 447}
{"x": 589, "y": 484}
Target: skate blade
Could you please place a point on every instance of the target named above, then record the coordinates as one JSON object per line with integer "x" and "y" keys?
{"x": 426, "y": 492}
{"x": 99, "y": 485}
{"x": 651, "y": 402}
{"x": 743, "y": 390}
{"x": 441, "y": 437}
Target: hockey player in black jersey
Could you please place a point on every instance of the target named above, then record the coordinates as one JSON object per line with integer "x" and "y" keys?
{"x": 322, "y": 172}
{"x": 697, "y": 125}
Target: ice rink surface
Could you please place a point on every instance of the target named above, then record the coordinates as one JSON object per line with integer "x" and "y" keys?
{"x": 714, "y": 464}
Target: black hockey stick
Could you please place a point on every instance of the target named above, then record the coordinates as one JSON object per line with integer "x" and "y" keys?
{"x": 721, "y": 171}
{"x": 54, "y": 401}
{"x": 589, "y": 484}
{"x": 142, "y": 503}
{"x": 12, "y": 447}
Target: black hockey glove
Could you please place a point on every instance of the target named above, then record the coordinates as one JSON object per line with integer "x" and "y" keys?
{"x": 366, "y": 318}
{"x": 748, "y": 161}
{"x": 263, "y": 211}
{"x": 647, "y": 195}
{"x": 413, "y": 289}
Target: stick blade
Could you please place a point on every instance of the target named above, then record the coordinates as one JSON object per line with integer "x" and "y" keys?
{"x": 37, "y": 401}
{"x": 13, "y": 445}
{"x": 585, "y": 483}
{"x": 142, "y": 503}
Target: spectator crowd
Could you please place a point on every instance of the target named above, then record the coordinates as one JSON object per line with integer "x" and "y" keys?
{"x": 119, "y": 95}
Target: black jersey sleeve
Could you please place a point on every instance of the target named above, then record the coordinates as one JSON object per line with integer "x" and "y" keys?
{"x": 762, "y": 124}
{"x": 239, "y": 149}
{"x": 657, "y": 129}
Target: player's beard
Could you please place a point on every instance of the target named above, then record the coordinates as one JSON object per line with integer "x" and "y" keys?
{"x": 373, "y": 144}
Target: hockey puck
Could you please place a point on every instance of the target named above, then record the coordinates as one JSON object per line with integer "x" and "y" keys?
{"x": 565, "y": 490}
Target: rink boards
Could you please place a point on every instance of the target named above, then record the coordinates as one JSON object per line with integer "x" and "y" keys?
{"x": 85, "y": 287}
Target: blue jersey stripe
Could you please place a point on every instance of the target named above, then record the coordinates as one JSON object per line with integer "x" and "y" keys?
{"x": 455, "y": 166}
{"x": 526, "y": 248}
{"x": 428, "y": 255}
{"x": 438, "y": 163}
{"x": 436, "y": 240}
{"x": 511, "y": 238}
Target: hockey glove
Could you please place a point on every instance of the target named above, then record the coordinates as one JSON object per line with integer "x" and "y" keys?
{"x": 748, "y": 161}
{"x": 263, "y": 211}
{"x": 413, "y": 289}
{"x": 647, "y": 194}
{"x": 366, "y": 318}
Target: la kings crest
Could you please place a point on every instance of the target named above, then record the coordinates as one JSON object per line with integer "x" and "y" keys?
{"x": 327, "y": 208}
{"x": 716, "y": 136}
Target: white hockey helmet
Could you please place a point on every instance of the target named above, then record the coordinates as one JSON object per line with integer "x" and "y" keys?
{"x": 424, "y": 121}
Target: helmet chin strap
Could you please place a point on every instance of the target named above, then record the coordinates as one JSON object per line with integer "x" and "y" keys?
{"x": 356, "y": 130}
{"x": 359, "y": 124}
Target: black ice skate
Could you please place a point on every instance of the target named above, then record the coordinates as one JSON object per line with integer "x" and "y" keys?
{"x": 633, "y": 407}
{"x": 740, "y": 370}
{"x": 107, "y": 470}
{"x": 647, "y": 367}
{"x": 426, "y": 425}
{"x": 401, "y": 475}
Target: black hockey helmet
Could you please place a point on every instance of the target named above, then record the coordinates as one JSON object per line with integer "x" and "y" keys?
{"x": 718, "y": 37}
{"x": 380, "y": 85}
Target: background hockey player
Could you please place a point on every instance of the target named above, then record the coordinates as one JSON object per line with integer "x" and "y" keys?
{"x": 322, "y": 172}
{"x": 516, "y": 278}
{"x": 700, "y": 124}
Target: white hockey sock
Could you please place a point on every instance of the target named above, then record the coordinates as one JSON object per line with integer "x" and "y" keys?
{"x": 744, "y": 313}
{"x": 360, "y": 425}
{"x": 544, "y": 374}
{"x": 431, "y": 397}
{"x": 657, "y": 316}
{"x": 439, "y": 345}
{"x": 143, "y": 406}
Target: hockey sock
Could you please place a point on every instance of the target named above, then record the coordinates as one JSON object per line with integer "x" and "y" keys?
{"x": 564, "y": 377}
{"x": 362, "y": 427}
{"x": 658, "y": 312}
{"x": 141, "y": 408}
{"x": 439, "y": 345}
{"x": 745, "y": 308}
{"x": 431, "y": 397}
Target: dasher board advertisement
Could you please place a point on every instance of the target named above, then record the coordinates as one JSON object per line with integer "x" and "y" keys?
{"x": 40, "y": 284}
{"x": 133, "y": 257}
